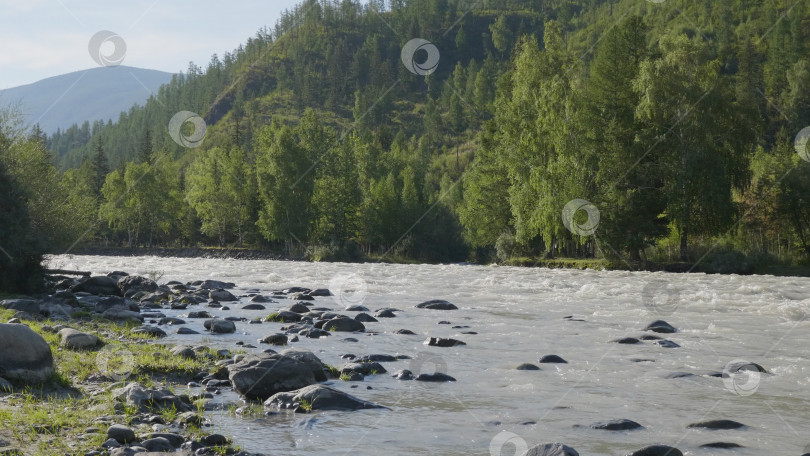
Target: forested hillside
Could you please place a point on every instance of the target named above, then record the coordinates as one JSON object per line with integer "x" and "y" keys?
{"x": 670, "y": 126}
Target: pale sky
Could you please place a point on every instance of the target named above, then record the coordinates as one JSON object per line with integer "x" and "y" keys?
{"x": 44, "y": 38}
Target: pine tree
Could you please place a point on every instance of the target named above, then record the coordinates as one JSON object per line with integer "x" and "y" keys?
{"x": 101, "y": 167}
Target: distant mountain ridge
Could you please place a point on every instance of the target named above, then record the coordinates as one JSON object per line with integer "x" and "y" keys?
{"x": 89, "y": 95}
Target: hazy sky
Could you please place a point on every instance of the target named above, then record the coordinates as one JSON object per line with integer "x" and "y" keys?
{"x": 44, "y": 38}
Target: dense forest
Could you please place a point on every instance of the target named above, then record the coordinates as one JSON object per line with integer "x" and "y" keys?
{"x": 626, "y": 129}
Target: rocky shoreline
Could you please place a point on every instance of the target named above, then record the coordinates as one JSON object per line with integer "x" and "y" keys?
{"x": 128, "y": 398}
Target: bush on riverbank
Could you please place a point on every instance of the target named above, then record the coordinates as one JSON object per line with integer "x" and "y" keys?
{"x": 20, "y": 250}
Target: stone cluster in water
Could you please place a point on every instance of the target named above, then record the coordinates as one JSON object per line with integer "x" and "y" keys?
{"x": 287, "y": 379}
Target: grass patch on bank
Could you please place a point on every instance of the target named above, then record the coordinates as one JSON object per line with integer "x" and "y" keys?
{"x": 52, "y": 418}
{"x": 567, "y": 263}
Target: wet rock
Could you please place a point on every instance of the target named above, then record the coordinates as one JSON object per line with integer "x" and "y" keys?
{"x": 717, "y": 424}
{"x": 363, "y": 368}
{"x": 214, "y": 440}
{"x": 320, "y": 292}
{"x": 385, "y": 313}
{"x": 343, "y": 325}
{"x": 660, "y": 326}
{"x": 149, "y": 330}
{"x": 218, "y": 326}
{"x": 319, "y": 397}
{"x": 657, "y": 450}
{"x": 284, "y": 316}
{"x": 666, "y": 343}
{"x": 186, "y": 331}
{"x": 436, "y": 377}
{"x": 679, "y": 375}
{"x": 627, "y": 340}
{"x": 98, "y": 285}
{"x": 275, "y": 339}
{"x": 403, "y": 374}
{"x": 553, "y": 359}
{"x": 175, "y": 440}
{"x": 216, "y": 284}
{"x": 77, "y": 340}
{"x": 378, "y": 359}
{"x": 253, "y": 307}
{"x": 527, "y": 367}
{"x": 199, "y": 314}
{"x": 437, "y": 304}
{"x": 132, "y": 284}
{"x": 617, "y": 425}
{"x": 649, "y": 337}
{"x": 365, "y": 318}
{"x": 220, "y": 295}
{"x": 552, "y": 449}
{"x": 443, "y": 342}
{"x": 171, "y": 321}
{"x": 406, "y": 332}
{"x": 298, "y": 308}
{"x": 724, "y": 445}
{"x": 121, "y": 434}
{"x": 263, "y": 375}
{"x": 260, "y": 299}
{"x": 357, "y": 308}
{"x": 24, "y": 355}
{"x": 737, "y": 366}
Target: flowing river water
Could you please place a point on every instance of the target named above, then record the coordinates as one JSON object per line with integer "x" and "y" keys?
{"x": 519, "y": 315}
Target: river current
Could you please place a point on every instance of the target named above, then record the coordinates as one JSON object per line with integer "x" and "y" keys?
{"x": 519, "y": 315}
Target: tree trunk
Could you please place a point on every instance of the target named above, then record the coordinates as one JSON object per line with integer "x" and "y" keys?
{"x": 684, "y": 248}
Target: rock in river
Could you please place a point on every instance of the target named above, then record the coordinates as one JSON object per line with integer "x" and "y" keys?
{"x": 98, "y": 285}
{"x": 657, "y": 450}
{"x": 343, "y": 324}
{"x": 660, "y": 326}
{"x": 24, "y": 354}
{"x": 617, "y": 425}
{"x": 263, "y": 375}
{"x": 220, "y": 295}
{"x": 553, "y": 359}
{"x": 219, "y": 326}
{"x": 717, "y": 424}
{"x": 437, "y": 304}
{"x": 443, "y": 342}
{"x": 552, "y": 449}
{"x": 319, "y": 397}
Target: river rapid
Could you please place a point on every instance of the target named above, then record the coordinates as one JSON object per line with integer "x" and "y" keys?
{"x": 519, "y": 315}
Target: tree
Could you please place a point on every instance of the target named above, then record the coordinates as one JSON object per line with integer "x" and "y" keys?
{"x": 336, "y": 196}
{"x": 20, "y": 250}
{"x": 101, "y": 167}
{"x": 692, "y": 127}
{"x": 145, "y": 150}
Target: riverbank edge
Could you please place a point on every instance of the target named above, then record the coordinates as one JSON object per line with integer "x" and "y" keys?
{"x": 781, "y": 270}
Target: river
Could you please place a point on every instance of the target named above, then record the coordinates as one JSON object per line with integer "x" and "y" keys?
{"x": 519, "y": 316}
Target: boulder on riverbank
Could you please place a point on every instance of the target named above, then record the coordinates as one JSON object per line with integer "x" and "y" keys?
{"x": 24, "y": 355}
{"x": 77, "y": 340}
{"x": 263, "y": 375}
{"x": 98, "y": 285}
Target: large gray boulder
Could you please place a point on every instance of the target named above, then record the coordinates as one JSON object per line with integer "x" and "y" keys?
{"x": 319, "y": 397}
{"x": 214, "y": 284}
{"x": 77, "y": 340}
{"x": 219, "y": 326}
{"x": 137, "y": 283}
{"x": 310, "y": 359}
{"x": 24, "y": 305}
{"x": 98, "y": 285}
{"x": 24, "y": 355}
{"x": 263, "y": 375}
{"x": 437, "y": 304}
{"x": 343, "y": 324}
{"x": 221, "y": 295}
{"x": 117, "y": 313}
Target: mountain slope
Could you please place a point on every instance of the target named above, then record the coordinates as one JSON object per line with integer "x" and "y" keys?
{"x": 89, "y": 95}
